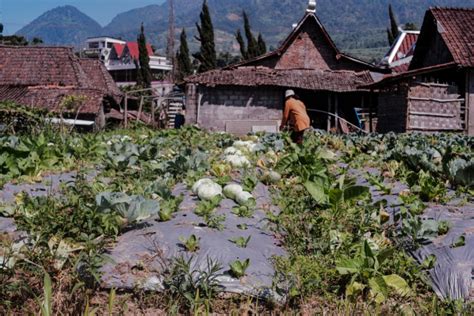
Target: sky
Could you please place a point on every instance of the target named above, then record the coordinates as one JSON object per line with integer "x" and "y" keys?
{"x": 14, "y": 14}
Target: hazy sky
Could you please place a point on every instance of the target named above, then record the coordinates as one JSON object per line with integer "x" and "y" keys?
{"x": 14, "y": 14}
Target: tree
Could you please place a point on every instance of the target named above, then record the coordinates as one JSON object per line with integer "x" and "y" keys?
{"x": 36, "y": 41}
{"x": 183, "y": 60}
{"x": 393, "y": 31}
{"x": 144, "y": 76}
{"x": 262, "y": 46}
{"x": 252, "y": 45}
{"x": 240, "y": 40}
{"x": 1, "y": 29}
{"x": 410, "y": 27}
{"x": 207, "y": 54}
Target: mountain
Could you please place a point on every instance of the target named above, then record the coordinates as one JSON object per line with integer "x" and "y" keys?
{"x": 357, "y": 26}
{"x": 64, "y": 25}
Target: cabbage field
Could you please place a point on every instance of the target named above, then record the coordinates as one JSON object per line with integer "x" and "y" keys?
{"x": 190, "y": 222}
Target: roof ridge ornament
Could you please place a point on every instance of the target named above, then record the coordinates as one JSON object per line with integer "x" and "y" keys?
{"x": 311, "y": 6}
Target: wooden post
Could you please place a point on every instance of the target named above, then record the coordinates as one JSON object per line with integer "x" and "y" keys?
{"x": 329, "y": 111}
{"x": 336, "y": 111}
{"x": 140, "y": 108}
{"x": 371, "y": 112}
{"x": 125, "y": 112}
{"x": 153, "y": 113}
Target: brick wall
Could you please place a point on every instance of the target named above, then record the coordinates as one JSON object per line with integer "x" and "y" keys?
{"x": 220, "y": 105}
{"x": 312, "y": 50}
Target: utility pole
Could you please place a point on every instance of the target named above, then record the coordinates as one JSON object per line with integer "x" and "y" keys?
{"x": 170, "y": 51}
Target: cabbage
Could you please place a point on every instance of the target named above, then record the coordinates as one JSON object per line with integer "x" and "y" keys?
{"x": 198, "y": 183}
{"x": 248, "y": 146}
{"x": 244, "y": 198}
{"x": 271, "y": 177}
{"x": 133, "y": 208}
{"x": 208, "y": 191}
{"x": 232, "y": 151}
{"x": 238, "y": 161}
{"x": 231, "y": 190}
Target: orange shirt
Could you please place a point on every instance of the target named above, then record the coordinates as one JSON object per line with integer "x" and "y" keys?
{"x": 295, "y": 114}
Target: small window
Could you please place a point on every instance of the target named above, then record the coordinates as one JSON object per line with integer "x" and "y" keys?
{"x": 94, "y": 45}
{"x": 109, "y": 45}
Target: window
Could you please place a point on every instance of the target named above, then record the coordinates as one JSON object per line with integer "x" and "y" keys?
{"x": 94, "y": 45}
{"x": 109, "y": 45}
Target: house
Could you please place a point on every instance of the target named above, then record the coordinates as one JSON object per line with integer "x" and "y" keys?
{"x": 400, "y": 54}
{"x": 249, "y": 96}
{"x": 121, "y": 58}
{"x": 436, "y": 94}
{"x": 55, "y": 79}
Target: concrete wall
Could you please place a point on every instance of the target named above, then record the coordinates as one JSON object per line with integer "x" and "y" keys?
{"x": 470, "y": 102}
{"x": 233, "y": 109}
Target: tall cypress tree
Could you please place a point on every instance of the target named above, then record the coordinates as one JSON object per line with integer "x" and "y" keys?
{"x": 183, "y": 59}
{"x": 207, "y": 54}
{"x": 240, "y": 40}
{"x": 144, "y": 70}
{"x": 262, "y": 46}
{"x": 252, "y": 45}
{"x": 393, "y": 31}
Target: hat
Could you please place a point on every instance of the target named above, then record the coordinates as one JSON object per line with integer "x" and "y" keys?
{"x": 289, "y": 93}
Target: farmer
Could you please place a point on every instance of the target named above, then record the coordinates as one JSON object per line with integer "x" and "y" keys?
{"x": 295, "y": 116}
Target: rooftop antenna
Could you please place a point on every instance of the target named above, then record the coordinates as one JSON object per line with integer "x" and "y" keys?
{"x": 311, "y": 6}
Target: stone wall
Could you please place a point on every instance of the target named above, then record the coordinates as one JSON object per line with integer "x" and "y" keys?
{"x": 233, "y": 109}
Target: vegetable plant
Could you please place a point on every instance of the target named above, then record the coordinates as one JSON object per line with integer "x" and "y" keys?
{"x": 241, "y": 242}
{"x": 238, "y": 268}
{"x": 191, "y": 243}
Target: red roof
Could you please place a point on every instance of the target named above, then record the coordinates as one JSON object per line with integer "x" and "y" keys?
{"x": 407, "y": 46}
{"x": 456, "y": 27}
{"x": 134, "y": 51}
{"x": 119, "y": 49}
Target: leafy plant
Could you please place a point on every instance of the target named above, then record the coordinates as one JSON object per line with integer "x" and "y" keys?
{"x": 206, "y": 208}
{"x": 191, "y": 243}
{"x": 241, "y": 242}
{"x": 193, "y": 285}
{"x": 243, "y": 211}
{"x": 216, "y": 221}
{"x": 130, "y": 208}
{"x": 378, "y": 181}
{"x": 365, "y": 270}
{"x": 238, "y": 268}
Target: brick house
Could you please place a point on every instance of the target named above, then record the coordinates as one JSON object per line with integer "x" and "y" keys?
{"x": 249, "y": 96}
{"x": 437, "y": 92}
{"x": 44, "y": 77}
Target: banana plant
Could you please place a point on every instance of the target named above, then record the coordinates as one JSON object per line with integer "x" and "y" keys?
{"x": 365, "y": 269}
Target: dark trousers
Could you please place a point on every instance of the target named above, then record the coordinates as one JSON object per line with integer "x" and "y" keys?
{"x": 297, "y": 137}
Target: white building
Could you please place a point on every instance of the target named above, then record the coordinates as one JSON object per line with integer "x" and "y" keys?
{"x": 121, "y": 59}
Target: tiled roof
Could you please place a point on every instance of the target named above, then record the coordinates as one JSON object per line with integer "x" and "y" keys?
{"x": 43, "y": 76}
{"x": 40, "y": 66}
{"x": 51, "y": 98}
{"x": 456, "y": 26}
{"x": 100, "y": 78}
{"x": 338, "y": 81}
